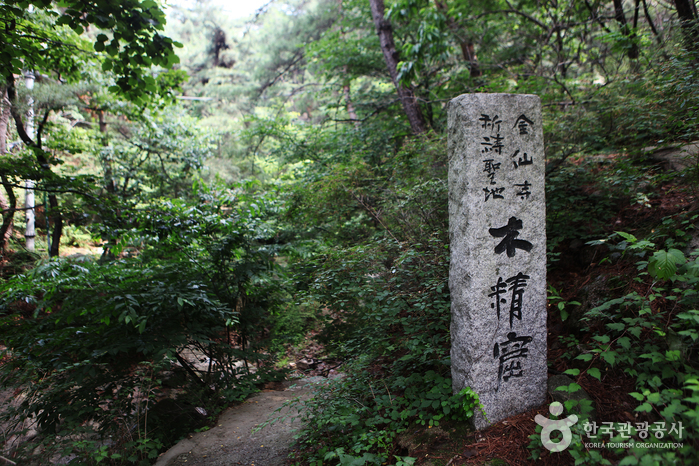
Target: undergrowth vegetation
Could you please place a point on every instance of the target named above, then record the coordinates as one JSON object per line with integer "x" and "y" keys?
{"x": 92, "y": 343}
{"x": 384, "y": 308}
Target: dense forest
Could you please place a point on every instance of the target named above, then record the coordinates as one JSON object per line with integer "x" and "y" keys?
{"x": 269, "y": 195}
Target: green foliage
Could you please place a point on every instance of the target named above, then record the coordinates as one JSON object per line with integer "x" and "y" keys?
{"x": 384, "y": 304}
{"x": 554, "y": 297}
{"x": 88, "y": 342}
{"x": 578, "y": 203}
{"x": 585, "y": 411}
{"x": 76, "y": 236}
{"x": 159, "y": 158}
{"x": 351, "y": 231}
{"x": 129, "y": 44}
{"x": 652, "y": 337}
{"x": 79, "y": 355}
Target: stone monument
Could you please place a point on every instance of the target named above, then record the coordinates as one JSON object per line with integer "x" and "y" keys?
{"x": 497, "y": 229}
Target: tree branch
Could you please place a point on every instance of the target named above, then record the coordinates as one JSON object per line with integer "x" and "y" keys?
{"x": 650, "y": 23}
{"x": 524, "y": 15}
{"x": 20, "y": 209}
{"x": 48, "y": 190}
{"x": 297, "y": 58}
{"x": 41, "y": 127}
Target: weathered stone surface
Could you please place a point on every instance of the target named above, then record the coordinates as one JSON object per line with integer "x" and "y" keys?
{"x": 497, "y": 232}
{"x": 676, "y": 158}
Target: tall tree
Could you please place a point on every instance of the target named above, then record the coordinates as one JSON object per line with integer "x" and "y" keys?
{"x": 468, "y": 51}
{"x": 686, "y": 10}
{"x": 29, "y": 212}
{"x": 620, "y": 17}
{"x": 392, "y": 57}
{"x": 8, "y": 203}
{"x": 36, "y": 35}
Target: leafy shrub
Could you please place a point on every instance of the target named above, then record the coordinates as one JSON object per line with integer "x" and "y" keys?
{"x": 359, "y": 416}
{"x": 80, "y": 336}
{"x": 650, "y": 333}
{"x": 89, "y": 343}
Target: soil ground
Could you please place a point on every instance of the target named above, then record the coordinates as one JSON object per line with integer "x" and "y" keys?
{"x": 233, "y": 442}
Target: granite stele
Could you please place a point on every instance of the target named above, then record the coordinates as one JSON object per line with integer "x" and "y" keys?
{"x": 497, "y": 229}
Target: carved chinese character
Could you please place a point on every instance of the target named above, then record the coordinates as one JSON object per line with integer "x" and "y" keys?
{"x": 495, "y": 193}
{"x": 510, "y": 243}
{"x": 498, "y": 290}
{"x": 517, "y": 285}
{"x": 490, "y": 167}
{"x": 524, "y": 160}
{"x": 523, "y": 190}
{"x": 492, "y": 144}
{"x": 523, "y": 123}
{"x": 491, "y": 123}
{"x": 510, "y": 353}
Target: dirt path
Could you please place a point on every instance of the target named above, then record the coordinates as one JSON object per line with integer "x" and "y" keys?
{"x": 231, "y": 441}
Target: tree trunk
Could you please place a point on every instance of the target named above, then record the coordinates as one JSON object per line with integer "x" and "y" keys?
{"x": 346, "y": 87}
{"x": 8, "y": 215}
{"x": 108, "y": 173}
{"x": 468, "y": 51}
{"x": 9, "y": 203}
{"x": 57, "y": 225}
{"x": 55, "y": 214}
{"x": 649, "y": 20}
{"x": 688, "y": 17}
{"x": 623, "y": 25}
{"x": 348, "y": 102}
{"x": 30, "y": 232}
{"x": 390, "y": 54}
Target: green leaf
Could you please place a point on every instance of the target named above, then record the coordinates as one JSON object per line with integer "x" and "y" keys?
{"x": 624, "y": 342}
{"x": 627, "y": 236}
{"x": 663, "y": 264}
{"x": 645, "y": 408}
{"x": 618, "y": 326}
{"x": 594, "y": 372}
{"x": 572, "y": 372}
{"x": 609, "y": 356}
